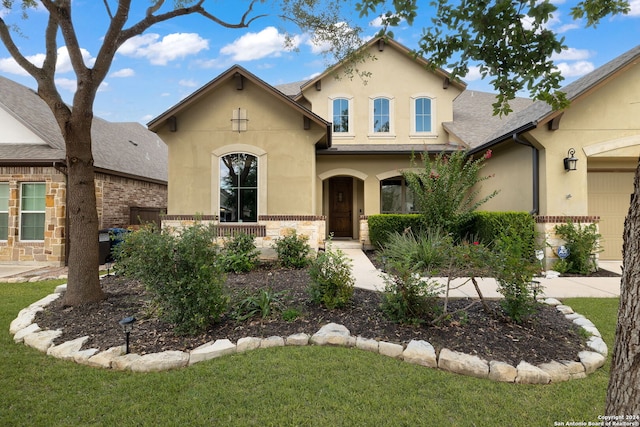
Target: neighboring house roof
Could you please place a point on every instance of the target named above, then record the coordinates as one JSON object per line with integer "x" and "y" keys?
{"x": 119, "y": 148}
{"x": 155, "y": 124}
{"x": 541, "y": 112}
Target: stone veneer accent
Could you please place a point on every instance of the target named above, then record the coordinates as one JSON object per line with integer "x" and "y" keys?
{"x": 115, "y": 196}
{"x": 417, "y": 351}
{"x": 267, "y": 230}
{"x": 545, "y": 226}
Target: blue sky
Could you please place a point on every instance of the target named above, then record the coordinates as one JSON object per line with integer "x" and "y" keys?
{"x": 171, "y": 60}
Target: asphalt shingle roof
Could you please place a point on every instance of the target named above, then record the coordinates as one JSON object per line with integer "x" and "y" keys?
{"x": 126, "y": 148}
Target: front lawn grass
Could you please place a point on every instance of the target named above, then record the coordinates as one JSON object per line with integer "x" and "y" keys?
{"x": 287, "y": 386}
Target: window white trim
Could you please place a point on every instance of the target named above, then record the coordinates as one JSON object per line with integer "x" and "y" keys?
{"x": 31, "y": 212}
{"x": 4, "y": 209}
{"x": 392, "y": 130}
{"x": 412, "y": 111}
{"x": 350, "y": 134}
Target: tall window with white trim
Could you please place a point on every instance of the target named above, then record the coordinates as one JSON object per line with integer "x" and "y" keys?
{"x": 4, "y": 210}
{"x": 32, "y": 211}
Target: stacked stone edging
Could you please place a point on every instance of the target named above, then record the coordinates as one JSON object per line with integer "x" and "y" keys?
{"x": 416, "y": 351}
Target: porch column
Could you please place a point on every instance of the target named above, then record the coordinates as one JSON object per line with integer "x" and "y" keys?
{"x": 371, "y": 195}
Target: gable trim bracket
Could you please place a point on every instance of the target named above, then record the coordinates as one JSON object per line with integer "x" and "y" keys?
{"x": 554, "y": 123}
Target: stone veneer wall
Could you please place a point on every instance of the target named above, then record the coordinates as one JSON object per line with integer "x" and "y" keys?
{"x": 545, "y": 229}
{"x": 51, "y": 251}
{"x": 115, "y": 196}
{"x": 268, "y": 229}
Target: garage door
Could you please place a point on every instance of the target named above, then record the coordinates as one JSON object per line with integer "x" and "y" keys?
{"x": 609, "y": 197}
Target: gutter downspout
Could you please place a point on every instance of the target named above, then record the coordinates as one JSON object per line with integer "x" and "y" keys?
{"x": 60, "y": 167}
{"x": 535, "y": 165}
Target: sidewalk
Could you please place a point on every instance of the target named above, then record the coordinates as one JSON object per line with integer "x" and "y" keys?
{"x": 368, "y": 277}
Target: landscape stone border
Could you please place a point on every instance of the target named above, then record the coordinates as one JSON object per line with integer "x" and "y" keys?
{"x": 416, "y": 351}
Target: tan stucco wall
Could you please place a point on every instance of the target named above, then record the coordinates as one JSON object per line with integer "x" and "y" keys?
{"x": 511, "y": 173}
{"x": 392, "y": 74}
{"x": 601, "y": 127}
{"x": 275, "y": 135}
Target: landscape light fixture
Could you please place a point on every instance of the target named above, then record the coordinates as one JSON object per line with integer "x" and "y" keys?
{"x": 570, "y": 162}
{"x": 127, "y": 326}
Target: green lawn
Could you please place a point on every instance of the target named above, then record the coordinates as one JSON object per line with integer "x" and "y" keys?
{"x": 286, "y": 386}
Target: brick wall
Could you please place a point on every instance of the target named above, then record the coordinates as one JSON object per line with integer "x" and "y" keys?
{"x": 51, "y": 251}
{"x": 115, "y": 196}
{"x": 268, "y": 229}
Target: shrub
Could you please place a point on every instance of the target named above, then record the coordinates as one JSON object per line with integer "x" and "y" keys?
{"x": 332, "y": 283}
{"x": 239, "y": 254}
{"x": 180, "y": 271}
{"x": 446, "y": 190}
{"x": 263, "y": 303}
{"x": 514, "y": 267}
{"x": 583, "y": 243}
{"x": 293, "y": 250}
{"x": 408, "y": 298}
{"x": 425, "y": 252}
{"x": 382, "y": 226}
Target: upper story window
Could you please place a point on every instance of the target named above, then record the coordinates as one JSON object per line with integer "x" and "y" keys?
{"x": 32, "y": 211}
{"x": 381, "y": 118}
{"x": 239, "y": 188}
{"x": 4, "y": 210}
{"x": 341, "y": 115}
{"x": 422, "y": 113}
{"x": 381, "y": 115}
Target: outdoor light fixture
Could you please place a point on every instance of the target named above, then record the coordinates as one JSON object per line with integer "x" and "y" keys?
{"x": 570, "y": 162}
{"x": 127, "y": 326}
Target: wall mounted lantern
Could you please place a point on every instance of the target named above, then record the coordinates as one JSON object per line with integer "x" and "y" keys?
{"x": 570, "y": 162}
{"x": 127, "y": 326}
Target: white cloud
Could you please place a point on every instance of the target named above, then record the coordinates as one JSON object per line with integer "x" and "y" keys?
{"x": 634, "y": 5}
{"x": 473, "y": 74}
{"x": 161, "y": 51}
{"x": 63, "y": 62}
{"x": 577, "y": 69}
{"x": 572, "y": 54}
{"x": 267, "y": 43}
{"x": 124, "y": 72}
{"x": 70, "y": 85}
{"x": 188, "y": 83}
{"x": 66, "y": 84}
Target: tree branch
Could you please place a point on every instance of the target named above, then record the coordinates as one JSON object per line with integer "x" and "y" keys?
{"x": 106, "y": 5}
{"x": 5, "y": 37}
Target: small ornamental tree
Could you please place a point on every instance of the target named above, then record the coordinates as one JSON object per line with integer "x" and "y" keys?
{"x": 446, "y": 190}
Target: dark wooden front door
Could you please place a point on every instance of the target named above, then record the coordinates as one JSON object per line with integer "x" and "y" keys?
{"x": 340, "y": 207}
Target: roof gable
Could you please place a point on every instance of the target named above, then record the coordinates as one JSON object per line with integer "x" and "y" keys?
{"x": 382, "y": 43}
{"x": 122, "y": 148}
{"x": 540, "y": 112}
{"x": 237, "y": 73}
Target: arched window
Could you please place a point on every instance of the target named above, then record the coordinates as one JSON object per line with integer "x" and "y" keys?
{"x": 396, "y": 196}
{"x": 239, "y": 188}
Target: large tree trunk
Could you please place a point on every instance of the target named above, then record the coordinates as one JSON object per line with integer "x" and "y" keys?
{"x": 623, "y": 396}
{"x": 83, "y": 284}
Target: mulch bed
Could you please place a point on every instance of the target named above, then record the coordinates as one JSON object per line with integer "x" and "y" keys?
{"x": 545, "y": 336}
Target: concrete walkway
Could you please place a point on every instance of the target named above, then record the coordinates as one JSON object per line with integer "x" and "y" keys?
{"x": 368, "y": 277}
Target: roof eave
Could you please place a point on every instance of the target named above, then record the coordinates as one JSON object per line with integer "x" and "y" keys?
{"x": 524, "y": 128}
